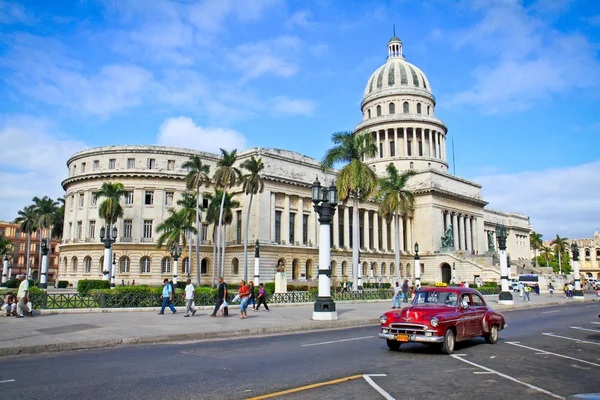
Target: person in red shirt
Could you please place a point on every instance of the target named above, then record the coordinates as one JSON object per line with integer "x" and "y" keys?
{"x": 244, "y": 293}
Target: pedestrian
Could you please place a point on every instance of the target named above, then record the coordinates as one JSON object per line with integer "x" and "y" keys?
{"x": 570, "y": 288}
{"x": 537, "y": 289}
{"x": 221, "y": 296}
{"x": 167, "y": 297}
{"x": 396, "y": 299}
{"x": 133, "y": 284}
{"x": 122, "y": 282}
{"x": 9, "y": 305}
{"x": 244, "y": 296}
{"x": 128, "y": 283}
{"x": 189, "y": 297}
{"x": 251, "y": 301}
{"x": 520, "y": 288}
{"x": 526, "y": 291}
{"x": 551, "y": 289}
{"x": 405, "y": 290}
{"x": 262, "y": 297}
{"x": 566, "y": 289}
{"x": 22, "y": 297}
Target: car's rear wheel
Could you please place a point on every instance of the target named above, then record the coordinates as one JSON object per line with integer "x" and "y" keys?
{"x": 449, "y": 341}
{"x": 393, "y": 344}
{"x": 492, "y": 336}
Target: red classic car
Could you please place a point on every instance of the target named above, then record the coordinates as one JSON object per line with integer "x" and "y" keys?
{"x": 442, "y": 316}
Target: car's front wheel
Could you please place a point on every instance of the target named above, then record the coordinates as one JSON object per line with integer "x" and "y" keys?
{"x": 449, "y": 341}
{"x": 393, "y": 344}
{"x": 492, "y": 336}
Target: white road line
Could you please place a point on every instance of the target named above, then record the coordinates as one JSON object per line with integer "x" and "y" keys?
{"x": 7, "y": 381}
{"x": 593, "y": 322}
{"x": 573, "y": 339}
{"x": 585, "y": 329}
{"x": 539, "y": 389}
{"x": 482, "y": 372}
{"x": 375, "y": 386}
{"x": 550, "y": 312}
{"x": 541, "y": 351}
{"x": 337, "y": 341}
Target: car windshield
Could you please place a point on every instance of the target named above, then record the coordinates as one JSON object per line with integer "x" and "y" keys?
{"x": 439, "y": 298}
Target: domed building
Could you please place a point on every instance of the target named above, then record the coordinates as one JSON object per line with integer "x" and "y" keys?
{"x": 398, "y": 111}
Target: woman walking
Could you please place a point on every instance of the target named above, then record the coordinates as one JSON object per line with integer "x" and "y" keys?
{"x": 251, "y": 301}
{"x": 262, "y": 298}
{"x": 244, "y": 292}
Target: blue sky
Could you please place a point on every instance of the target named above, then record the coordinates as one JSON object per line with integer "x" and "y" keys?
{"x": 516, "y": 82}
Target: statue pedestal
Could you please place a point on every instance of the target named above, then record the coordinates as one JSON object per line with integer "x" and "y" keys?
{"x": 280, "y": 282}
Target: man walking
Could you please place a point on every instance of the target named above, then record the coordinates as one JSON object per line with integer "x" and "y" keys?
{"x": 221, "y": 296}
{"x": 190, "y": 294}
{"x": 22, "y": 297}
{"x": 526, "y": 291}
{"x": 405, "y": 290}
{"x": 167, "y": 297}
{"x": 396, "y": 298}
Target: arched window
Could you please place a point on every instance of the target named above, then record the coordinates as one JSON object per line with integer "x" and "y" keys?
{"x": 186, "y": 266}
{"x": 66, "y": 265}
{"x": 87, "y": 264}
{"x": 166, "y": 265}
{"x": 295, "y": 269}
{"x": 365, "y": 269}
{"x": 74, "y": 264}
{"x": 344, "y": 268}
{"x": 379, "y": 111}
{"x": 369, "y": 113}
{"x": 145, "y": 265}
{"x": 411, "y": 165}
{"x": 124, "y": 265}
{"x": 597, "y": 252}
{"x": 374, "y": 269}
{"x": 587, "y": 252}
{"x": 408, "y": 270}
{"x": 418, "y": 108}
{"x": 392, "y": 108}
{"x": 428, "y": 110}
{"x": 308, "y": 271}
{"x": 235, "y": 267}
{"x": 204, "y": 266}
{"x": 405, "y": 107}
{"x": 101, "y": 265}
{"x": 383, "y": 269}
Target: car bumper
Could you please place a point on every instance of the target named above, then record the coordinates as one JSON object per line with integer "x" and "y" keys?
{"x": 419, "y": 338}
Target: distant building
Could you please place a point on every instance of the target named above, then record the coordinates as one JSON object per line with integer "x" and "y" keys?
{"x": 589, "y": 256}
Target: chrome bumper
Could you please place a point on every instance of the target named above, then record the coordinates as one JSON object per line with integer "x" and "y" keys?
{"x": 414, "y": 338}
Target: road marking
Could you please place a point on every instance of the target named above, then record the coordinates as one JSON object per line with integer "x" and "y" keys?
{"x": 337, "y": 341}
{"x": 7, "y": 381}
{"x": 541, "y": 351}
{"x": 375, "y": 386}
{"x": 597, "y": 323}
{"x": 584, "y": 329}
{"x": 539, "y": 389}
{"x": 568, "y": 338}
{"x": 482, "y": 372}
{"x": 550, "y": 312}
{"x": 302, "y": 388}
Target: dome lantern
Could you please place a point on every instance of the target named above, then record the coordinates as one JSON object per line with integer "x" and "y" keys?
{"x": 395, "y": 46}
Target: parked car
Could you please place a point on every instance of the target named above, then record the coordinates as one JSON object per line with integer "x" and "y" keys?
{"x": 442, "y": 316}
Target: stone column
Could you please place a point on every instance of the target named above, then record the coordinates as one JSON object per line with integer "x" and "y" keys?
{"x": 405, "y": 139}
{"x": 347, "y": 227}
{"x": 455, "y": 230}
{"x": 375, "y": 231}
{"x": 469, "y": 235}
{"x": 336, "y": 230}
{"x": 409, "y": 238}
{"x": 366, "y": 230}
{"x": 430, "y": 138}
{"x": 444, "y": 155}
{"x": 285, "y": 220}
{"x": 272, "y": 217}
{"x": 384, "y": 236}
{"x": 401, "y": 229}
{"x": 461, "y": 230}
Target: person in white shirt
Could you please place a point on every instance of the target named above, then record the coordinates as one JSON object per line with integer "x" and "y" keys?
{"x": 23, "y": 297}
{"x": 190, "y": 295}
{"x": 396, "y": 298}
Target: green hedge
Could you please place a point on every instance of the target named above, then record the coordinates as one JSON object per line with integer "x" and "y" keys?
{"x": 63, "y": 284}
{"x": 85, "y": 285}
{"x": 14, "y": 283}
{"x": 270, "y": 287}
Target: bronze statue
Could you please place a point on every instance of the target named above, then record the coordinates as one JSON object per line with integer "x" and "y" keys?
{"x": 491, "y": 246}
{"x": 448, "y": 238}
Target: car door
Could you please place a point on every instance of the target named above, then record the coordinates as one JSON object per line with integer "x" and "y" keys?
{"x": 464, "y": 327}
{"x": 479, "y": 311}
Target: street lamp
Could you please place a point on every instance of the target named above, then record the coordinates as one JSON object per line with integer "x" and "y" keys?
{"x": 43, "y": 275}
{"x": 114, "y": 267}
{"x": 505, "y": 296}
{"x": 453, "y": 272}
{"x": 4, "y": 269}
{"x": 417, "y": 267}
{"x": 175, "y": 253}
{"x": 578, "y": 293}
{"x": 325, "y": 202}
{"x": 108, "y": 237}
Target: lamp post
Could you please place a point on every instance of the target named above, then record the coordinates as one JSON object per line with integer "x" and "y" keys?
{"x": 578, "y": 293}
{"x": 508, "y": 266}
{"x": 4, "y": 270}
{"x": 325, "y": 201}
{"x": 453, "y": 272}
{"x": 108, "y": 237}
{"x": 10, "y": 265}
{"x": 256, "y": 263}
{"x": 505, "y": 296}
{"x": 417, "y": 267}
{"x": 113, "y": 270}
{"x": 175, "y": 253}
{"x": 44, "y": 274}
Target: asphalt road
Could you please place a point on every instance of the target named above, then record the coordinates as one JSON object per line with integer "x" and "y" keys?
{"x": 544, "y": 353}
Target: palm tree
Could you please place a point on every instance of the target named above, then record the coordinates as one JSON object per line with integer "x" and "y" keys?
{"x": 546, "y": 251}
{"x": 536, "y": 243}
{"x": 225, "y": 176}
{"x": 59, "y": 220}
{"x": 228, "y": 205}
{"x": 212, "y": 217}
{"x": 174, "y": 229}
{"x": 111, "y": 210}
{"x": 6, "y": 245}
{"x": 188, "y": 207}
{"x": 196, "y": 177}
{"x": 395, "y": 200}
{"x": 251, "y": 185}
{"x": 355, "y": 179}
{"x": 45, "y": 210}
{"x": 560, "y": 245}
{"x": 27, "y": 220}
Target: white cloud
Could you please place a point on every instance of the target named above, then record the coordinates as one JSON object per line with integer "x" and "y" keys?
{"x": 184, "y": 132}
{"x": 32, "y": 162}
{"x": 300, "y": 18}
{"x": 11, "y": 13}
{"x": 558, "y": 200}
{"x": 287, "y": 106}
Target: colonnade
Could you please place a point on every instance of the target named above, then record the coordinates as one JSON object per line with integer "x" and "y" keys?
{"x": 464, "y": 230}
{"x": 410, "y": 141}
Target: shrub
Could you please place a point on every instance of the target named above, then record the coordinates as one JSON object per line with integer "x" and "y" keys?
{"x": 270, "y": 287}
{"x": 85, "y": 285}
{"x": 297, "y": 288}
{"x": 180, "y": 285}
{"x": 63, "y": 284}
{"x": 14, "y": 283}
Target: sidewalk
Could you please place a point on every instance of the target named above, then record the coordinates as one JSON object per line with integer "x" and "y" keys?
{"x": 70, "y": 330}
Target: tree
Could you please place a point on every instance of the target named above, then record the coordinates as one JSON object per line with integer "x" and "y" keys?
{"x": 252, "y": 184}
{"x": 226, "y": 176}
{"x": 45, "y": 210}
{"x": 196, "y": 177}
{"x": 355, "y": 180}
{"x": 6, "y": 246}
{"x": 212, "y": 217}
{"x": 395, "y": 200}
{"x": 110, "y": 209}
{"x": 28, "y": 224}
{"x": 546, "y": 252}
{"x": 228, "y": 206}
{"x": 560, "y": 245}
{"x": 536, "y": 243}
{"x": 174, "y": 229}
{"x": 59, "y": 219}
{"x": 188, "y": 207}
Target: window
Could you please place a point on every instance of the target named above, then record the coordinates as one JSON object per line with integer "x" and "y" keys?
{"x": 392, "y": 148}
{"x": 238, "y": 227}
{"x": 79, "y": 229}
{"x": 204, "y": 202}
{"x": 340, "y": 212}
{"x": 292, "y": 227}
{"x": 74, "y": 169}
{"x": 428, "y": 110}
{"x": 72, "y": 198}
{"x": 411, "y": 165}
{"x": 392, "y": 108}
{"x": 204, "y": 266}
{"x": 409, "y": 147}
{"x": 131, "y": 163}
{"x": 477, "y": 301}
{"x": 171, "y": 165}
{"x": 369, "y": 113}
{"x": 151, "y": 164}
{"x": 74, "y": 264}
{"x": 405, "y": 107}
{"x": 82, "y": 167}
{"x": 304, "y": 229}
{"x": 81, "y": 199}
{"x": 420, "y": 148}
{"x": 70, "y": 232}
{"x": 96, "y": 165}
{"x": 169, "y": 198}
{"x": 124, "y": 265}
{"x": 145, "y": 265}
{"x": 92, "y": 232}
{"x": 166, "y": 265}
{"x": 127, "y": 227}
{"x": 186, "y": 266}
{"x": 587, "y": 252}
{"x": 380, "y": 149}
{"x": 112, "y": 163}
{"x": 418, "y": 108}
{"x": 147, "y": 228}
{"x": 235, "y": 266}
{"x": 278, "y": 226}
{"x": 204, "y": 232}
{"x": 379, "y": 111}
{"x": 344, "y": 268}
{"x": 94, "y": 199}
{"x": 149, "y": 198}
{"x": 598, "y": 253}
{"x": 87, "y": 265}
{"x": 129, "y": 197}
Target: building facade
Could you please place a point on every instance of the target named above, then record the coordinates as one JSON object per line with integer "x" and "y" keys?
{"x": 455, "y": 232}
{"x": 589, "y": 256}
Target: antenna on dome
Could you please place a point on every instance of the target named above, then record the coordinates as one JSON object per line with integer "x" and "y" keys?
{"x": 453, "y": 160}
{"x": 394, "y": 25}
